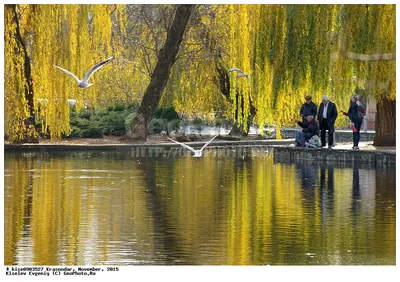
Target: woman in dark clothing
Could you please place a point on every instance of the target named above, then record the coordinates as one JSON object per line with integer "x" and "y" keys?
{"x": 355, "y": 114}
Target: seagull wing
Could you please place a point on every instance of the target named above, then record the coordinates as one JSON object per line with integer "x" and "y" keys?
{"x": 68, "y": 72}
{"x": 234, "y": 69}
{"x": 240, "y": 74}
{"x": 183, "y": 145}
{"x": 205, "y": 145}
{"x": 95, "y": 68}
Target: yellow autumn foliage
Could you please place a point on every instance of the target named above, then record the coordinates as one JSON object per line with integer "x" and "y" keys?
{"x": 288, "y": 51}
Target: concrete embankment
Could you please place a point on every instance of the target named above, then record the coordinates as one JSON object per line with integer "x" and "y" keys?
{"x": 340, "y": 135}
{"x": 291, "y": 154}
{"x": 125, "y": 147}
{"x": 282, "y": 150}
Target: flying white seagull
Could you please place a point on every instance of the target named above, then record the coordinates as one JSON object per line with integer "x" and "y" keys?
{"x": 84, "y": 82}
{"x": 197, "y": 153}
{"x": 240, "y": 72}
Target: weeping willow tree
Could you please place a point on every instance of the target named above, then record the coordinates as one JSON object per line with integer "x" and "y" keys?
{"x": 20, "y": 117}
{"x": 296, "y": 50}
{"x": 239, "y": 57}
{"x": 75, "y": 37}
{"x": 80, "y": 36}
{"x": 200, "y": 82}
{"x": 290, "y": 46}
{"x": 289, "y": 51}
{"x": 366, "y": 38}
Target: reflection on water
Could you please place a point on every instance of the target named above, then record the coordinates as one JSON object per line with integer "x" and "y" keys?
{"x": 81, "y": 208}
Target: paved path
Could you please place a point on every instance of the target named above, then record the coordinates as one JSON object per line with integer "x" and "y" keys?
{"x": 363, "y": 146}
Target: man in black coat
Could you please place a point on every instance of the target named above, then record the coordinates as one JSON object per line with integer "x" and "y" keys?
{"x": 327, "y": 115}
{"x": 308, "y": 108}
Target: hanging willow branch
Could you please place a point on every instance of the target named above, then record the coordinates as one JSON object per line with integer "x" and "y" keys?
{"x": 362, "y": 57}
{"x": 20, "y": 50}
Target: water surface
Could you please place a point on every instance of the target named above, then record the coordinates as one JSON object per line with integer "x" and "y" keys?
{"x": 114, "y": 208}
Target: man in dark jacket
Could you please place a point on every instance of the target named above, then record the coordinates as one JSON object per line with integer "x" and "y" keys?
{"x": 327, "y": 115}
{"x": 308, "y": 108}
{"x": 310, "y": 128}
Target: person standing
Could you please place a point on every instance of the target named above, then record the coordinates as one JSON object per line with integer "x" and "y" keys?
{"x": 355, "y": 114}
{"x": 308, "y": 108}
{"x": 327, "y": 115}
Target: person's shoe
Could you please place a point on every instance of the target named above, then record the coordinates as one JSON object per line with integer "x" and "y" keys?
{"x": 356, "y": 148}
{"x": 329, "y": 147}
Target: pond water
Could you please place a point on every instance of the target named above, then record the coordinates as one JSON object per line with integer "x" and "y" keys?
{"x": 122, "y": 208}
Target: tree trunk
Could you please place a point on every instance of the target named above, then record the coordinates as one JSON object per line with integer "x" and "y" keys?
{"x": 166, "y": 58}
{"x": 238, "y": 129}
{"x": 31, "y": 135}
{"x": 385, "y": 123}
{"x": 223, "y": 82}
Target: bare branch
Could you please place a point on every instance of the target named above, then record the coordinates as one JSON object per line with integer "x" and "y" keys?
{"x": 115, "y": 8}
{"x": 151, "y": 30}
{"x": 140, "y": 44}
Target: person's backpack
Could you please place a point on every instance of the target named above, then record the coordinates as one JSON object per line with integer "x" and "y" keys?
{"x": 363, "y": 112}
{"x": 360, "y": 111}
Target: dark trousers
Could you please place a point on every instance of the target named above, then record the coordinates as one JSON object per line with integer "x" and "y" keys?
{"x": 324, "y": 127}
{"x": 356, "y": 135}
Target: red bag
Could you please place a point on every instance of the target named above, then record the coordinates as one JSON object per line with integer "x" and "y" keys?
{"x": 354, "y": 129}
{"x": 362, "y": 110}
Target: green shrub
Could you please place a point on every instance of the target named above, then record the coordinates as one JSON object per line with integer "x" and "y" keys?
{"x": 172, "y": 125}
{"x": 72, "y": 114}
{"x": 113, "y": 123}
{"x": 85, "y": 114}
{"x": 128, "y": 121}
{"x": 95, "y": 132}
{"x": 158, "y": 113}
{"x": 101, "y": 112}
{"x": 95, "y": 123}
{"x": 76, "y": 132}
{"x": 166, "y": 113}
{"x": 170, "y": 114}
{"x": 81, "y": 123}
{"x": 119, "y": 108}
{"x": 156, "y": 126}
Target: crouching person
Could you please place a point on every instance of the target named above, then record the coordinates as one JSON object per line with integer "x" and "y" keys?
{"x": 308, "y": 136}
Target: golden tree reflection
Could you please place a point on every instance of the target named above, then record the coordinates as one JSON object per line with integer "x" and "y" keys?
{"x": 108, "y": 208}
